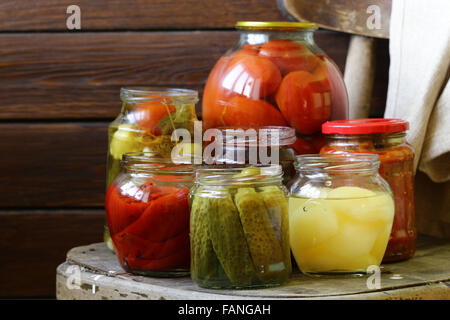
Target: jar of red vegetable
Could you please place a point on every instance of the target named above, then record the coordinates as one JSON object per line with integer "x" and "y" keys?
{"x": 145, "y": 124}
{"x": 385, "y": 137}
{"x": 147, "y": 209}
{"x": 275, "y": 75}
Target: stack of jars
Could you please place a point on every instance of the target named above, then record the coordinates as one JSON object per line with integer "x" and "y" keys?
{"x": 232, "y": 219}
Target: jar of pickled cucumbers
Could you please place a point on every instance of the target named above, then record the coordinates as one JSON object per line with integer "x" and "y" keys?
{"x": 147, "y": 210}
{"x": 145, "y": 124}
{"x": 259, "y": 145}
{"x": 387, "y": 138}
{"x": 239, "y": 228}
{"x": 340, "y": 214}
{"x": 276, "y": 75}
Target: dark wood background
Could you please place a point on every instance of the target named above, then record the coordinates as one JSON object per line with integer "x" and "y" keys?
{"x": 59, "y": 90}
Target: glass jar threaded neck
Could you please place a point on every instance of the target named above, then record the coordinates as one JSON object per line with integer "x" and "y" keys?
{"x": 338, "y": 164}
{"x": 145, "y": 163}
{"x": 240, "y": 176}
{"x": 133, "y": 95}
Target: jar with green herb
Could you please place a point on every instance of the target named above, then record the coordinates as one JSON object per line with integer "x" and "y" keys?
{"x": 145, "y": 124}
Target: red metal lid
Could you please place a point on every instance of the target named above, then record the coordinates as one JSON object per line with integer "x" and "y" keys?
{"x": 365, "y": 126}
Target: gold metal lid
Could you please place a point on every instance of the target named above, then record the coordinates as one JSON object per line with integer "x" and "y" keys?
{"x": 275, "y": 25}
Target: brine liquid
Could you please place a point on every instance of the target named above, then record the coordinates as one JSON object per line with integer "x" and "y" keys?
{"x": 345, "y": 232}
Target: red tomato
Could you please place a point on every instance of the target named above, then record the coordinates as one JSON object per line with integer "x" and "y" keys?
{"x": 330, "y": 75}
{"x": 304, "y": 102}
{"x": 215, "y": 96}
{"x": 301, "y": 146}
{"x": 321, "y": 75}
{"x": 247, "y": 50}
{"x": 251, "y": 76}
{"x": 318, "y": 141}
{"x": 149, "y": 115}
{"x": 289, "y": 55}
{"x": 242, "y": 111}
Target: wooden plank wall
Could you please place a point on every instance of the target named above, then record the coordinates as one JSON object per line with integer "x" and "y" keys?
{"x": 59, "y": 89}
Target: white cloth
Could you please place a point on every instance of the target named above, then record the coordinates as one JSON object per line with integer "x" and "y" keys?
{"x": 419, "y": 92}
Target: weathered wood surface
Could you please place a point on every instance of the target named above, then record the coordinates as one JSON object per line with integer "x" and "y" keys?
{"x": 355, "y": 17}
{"x": 426, "y": 276}
{"x": 50, "y": 15}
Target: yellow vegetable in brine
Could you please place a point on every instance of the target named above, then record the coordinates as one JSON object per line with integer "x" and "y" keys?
{"x": 124, "y": 140}
{"x": 346, "y": 232}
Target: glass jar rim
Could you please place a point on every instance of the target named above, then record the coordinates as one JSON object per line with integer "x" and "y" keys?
{"x": 216, "y": 175}
{"x": 338, "y": 163}
{"x": 158, "y": 94}
{"x": 150, "y": 163}
{"x": 286, "y": 135}
{"x": 275, "y": 25}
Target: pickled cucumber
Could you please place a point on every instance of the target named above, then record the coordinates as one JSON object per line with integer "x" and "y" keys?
{"x": 277, "y": 208}
{"x": 265, "y": 249}
{"x": 247, "y": 172}
{"x": 204, "y": 262}
{"x": 228, "y": 240}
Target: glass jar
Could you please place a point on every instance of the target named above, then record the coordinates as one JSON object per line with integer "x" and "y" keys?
{"x": 275, "y": 75}
{"x": 145, "y": 124}
{"x": 340, "y": 214}
{"x": 147, "y": 210}
{"x": 385, "y": 137}
{"x": 239, "y": 228}
{"x": 242, "y": 146}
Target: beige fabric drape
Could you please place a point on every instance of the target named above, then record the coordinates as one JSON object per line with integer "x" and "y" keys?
{"x": 419, "y": 91}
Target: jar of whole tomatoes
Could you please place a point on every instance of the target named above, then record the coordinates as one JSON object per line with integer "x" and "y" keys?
{"x": 145, "y": 124}
{"x": 385, "y": 137}
{"x": 275, "y": 75}
{"x": 340, "y": 214}
{"x": 263, "y": 145}
{"x": 147, "y": 210}
{"x": 239, "y": 228}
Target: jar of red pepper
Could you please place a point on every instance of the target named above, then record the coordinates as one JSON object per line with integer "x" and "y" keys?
{"x": 147, "y": 209}
{"x": 385, "y": 137}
